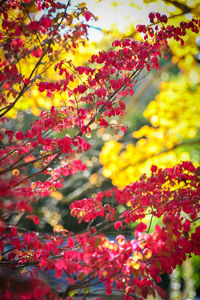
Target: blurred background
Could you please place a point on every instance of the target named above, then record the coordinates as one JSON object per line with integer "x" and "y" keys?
{"x": 162, "y": 120}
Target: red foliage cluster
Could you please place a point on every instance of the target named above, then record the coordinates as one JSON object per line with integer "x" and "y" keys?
{"x": 148, "y": 255}
{"x": 88, "y": 258}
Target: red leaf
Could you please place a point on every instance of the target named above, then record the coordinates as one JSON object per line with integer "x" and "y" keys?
{"x": 37, "y": 52}
{"x": 19, "y": 135}
{"x": 117, "y": 225}
{"x": 35, "y": 219}
{"x": 88, "y": 15}
{"x": 131, "y": 92}
{"x": 124, "y": 129}
{"x": 161, "y": 292}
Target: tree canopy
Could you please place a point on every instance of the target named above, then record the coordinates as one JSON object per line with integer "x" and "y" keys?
{"x": 56, "y": 91}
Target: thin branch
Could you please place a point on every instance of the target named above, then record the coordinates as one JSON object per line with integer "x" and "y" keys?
{"x": 150, "y": 223}
{"x": 37, "y": 36}
{"x": 25, "y": 87}
{"x": 79, "y": 132}
{"x": 8, "y": 108}
{"x": 25, "y": 164}
{"x": 146, "y": 85}
{"x": 193, "y": 221}
{"x": 40, "y": 171}
{"x": 184, "y": 8}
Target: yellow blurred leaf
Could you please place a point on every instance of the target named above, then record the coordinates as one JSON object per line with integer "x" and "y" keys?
{"x": 57, "y": 195}
{"x": 15, "y": 172}
{"x": 58, "y": 228}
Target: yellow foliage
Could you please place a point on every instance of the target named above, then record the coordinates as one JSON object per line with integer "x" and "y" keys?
{"x": 185, "y": 56}
{"x": 58, "y": 228}
{"x": 57, "y": 195}
{"x": 35, "y": 100}
{"x": 174, "y": 116}
{"x": 176, "y": 109}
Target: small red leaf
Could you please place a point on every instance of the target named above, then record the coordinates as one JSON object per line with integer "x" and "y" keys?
{"x": 88, "y": 15}
{"x": 37, "y": 52}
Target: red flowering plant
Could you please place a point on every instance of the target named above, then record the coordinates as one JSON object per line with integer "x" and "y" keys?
{"x": 94, "y": 93}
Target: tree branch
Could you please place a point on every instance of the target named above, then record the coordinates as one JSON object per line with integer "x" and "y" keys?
{"x": 2, "y": 3}
{"x": 25, "y": 87}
